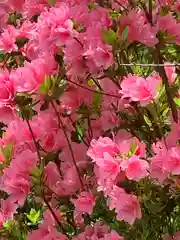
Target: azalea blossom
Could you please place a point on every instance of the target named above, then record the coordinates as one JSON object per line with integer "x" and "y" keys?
{"x": 139, "y": 89}
{"x": 135, "y": 168}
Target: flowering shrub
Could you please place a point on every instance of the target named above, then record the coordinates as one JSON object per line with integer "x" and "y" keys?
{"x": 89, "y": 119}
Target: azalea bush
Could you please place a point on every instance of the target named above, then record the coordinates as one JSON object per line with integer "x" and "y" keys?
{"x": 89, "y": 119}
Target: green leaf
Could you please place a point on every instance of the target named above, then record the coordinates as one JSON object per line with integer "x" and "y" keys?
{"x": 43, "y": 89}
{"x": 109, "y": 36}
{"x": 133, "y": 148}
{"x": 33, "y": 216}
{"x": 177, "y": 101}
{"x": 27, "y": 113}
{"x": 97, "y": 100}
{"x": 147, "y": 121}
{"x": 58, "y": 88}
{"x": 125, "y": 34}
{"x": 36, "y": 172}
{"x": 52, "y": 2}
{"x": 48, "y": 82}
{"x": 46, "y": 86}
{"x": 7, "y": 153}
{"x": 77, "y": 136}
{"x": 91, "y": 6}
{"x": 91, "y": 83}
{"x": 114, "y": 15}
{"x": 154, "y": 207}
{"x": 57, "y": 92}
{"x": 6, "y": 224}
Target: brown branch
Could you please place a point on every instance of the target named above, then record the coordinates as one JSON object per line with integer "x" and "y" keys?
{"x": 150, "y": 12}
{"x": 61, "y": 126}
{"x": 55, "y": 217}
{"x": 158, "y": 59}
{"x": 34, "y": 139}
{"x": 91, "y": 90}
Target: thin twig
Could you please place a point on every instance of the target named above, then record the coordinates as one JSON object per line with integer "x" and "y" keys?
{"x": 158, "y": 58}
{"x": 61, "y": 126}
{"x": 121, "y": 5}
{"x": 34, "y": 139}
{"x": 151, "y": 11}
{"x": 76, "y": 131}
{"x": 55, "y": 217}
{"x": 161, "y": 124}
{"x": 6, "y": 60}
{"x": 91, "y": 90}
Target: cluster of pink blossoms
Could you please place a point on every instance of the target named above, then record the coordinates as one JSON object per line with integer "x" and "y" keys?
{"x": 65, "y": 97}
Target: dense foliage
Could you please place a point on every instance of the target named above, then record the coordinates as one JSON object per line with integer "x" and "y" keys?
{"x": 89, "y": 119}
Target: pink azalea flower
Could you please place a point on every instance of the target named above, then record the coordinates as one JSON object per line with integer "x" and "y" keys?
{"x": 115, "y": 194}
{"x": 109, "y": 166}
{"x": 27, "y": 30}
{"x": 53, "y": 141}
{"x": 79, "y": 152}
{"x": 74, "y": 97}
{"x": 17, "y": 5}
{"x": 84, "y": 203}
{"x": 47, "y": 230}
{"x": 30, "y": 50}
{"x": 139, "y": 89}
{"x": 17, "y": 186}
{"x": 102, "y": 145}
{"x": 49, "y": 219}
{"x": 98, "y": 58}
{"x": 7, "y": 114}
{"x": 4, "y": 8}
{"x": 177, "y": 6}
{"x": 139, "y": 29}
{"x": 32, "y": 75}
{"x": 72, "y": 51}
{"x": 126, "y": 205}
{"x": 98, "y": 232}
{"x": 128, "y": 209}
{"x": 70, "y": 183}
{"x": 7, "y": 210}
{"x": 169, "y": 24}
{"x": 54, "y": 27}
{"x": 106, "y": 182}
{"x": 6, "y": 90}
{"x": 172, "y": 161}
{"x": 16, "y": 178}
{"x": 156, "y": 168}
{"x": 168, "y": 3}
{"x": 2, "y": 158}
{"x": 107, "y": 120}
{"x": 129, "y": 144}
{"x": 99, "y": 17}
{"x": 79, "y": 12}
{"x": 173, "y": 136}
{"x": 135, "y": 168}
{"x": 97, "y": 54}
{"x": 22, "y": 79}
{"x": 8, "y": 39}
{"x": 64, "y": 182}
{"x": 170, "y": 72}
{"x": 113, "y": 236}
